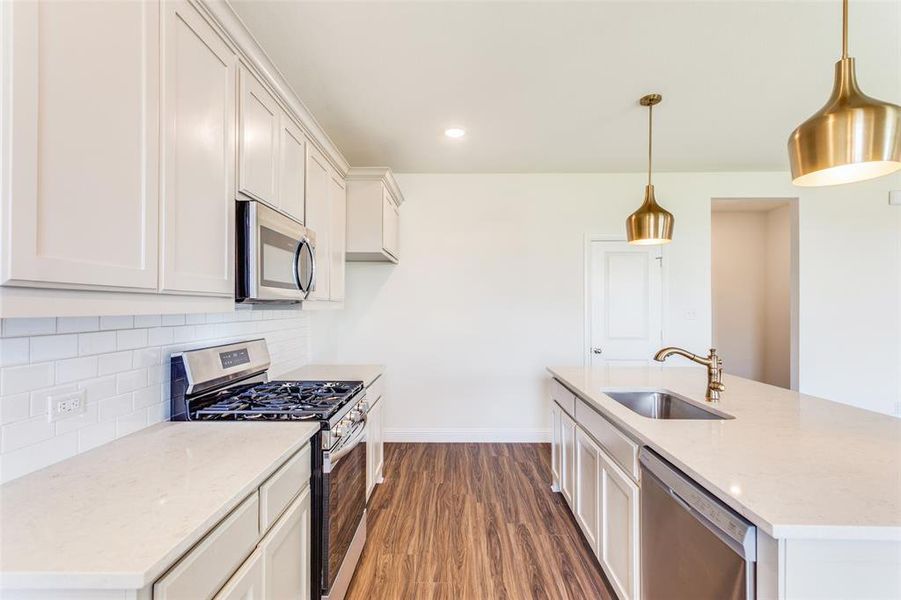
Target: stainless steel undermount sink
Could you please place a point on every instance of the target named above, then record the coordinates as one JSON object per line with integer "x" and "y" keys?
{"x": 662, "y": 404}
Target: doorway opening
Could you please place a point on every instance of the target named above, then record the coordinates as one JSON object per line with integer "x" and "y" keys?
{"x": 754, "y": 283}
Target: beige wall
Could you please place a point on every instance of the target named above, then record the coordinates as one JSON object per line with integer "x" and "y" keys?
{"x": 751, "y": 285}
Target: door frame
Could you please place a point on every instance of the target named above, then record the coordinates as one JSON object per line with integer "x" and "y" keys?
{"x": 590, "y": 238}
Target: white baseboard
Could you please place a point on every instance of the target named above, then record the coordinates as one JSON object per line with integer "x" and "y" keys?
{"x": 466, "y": 434}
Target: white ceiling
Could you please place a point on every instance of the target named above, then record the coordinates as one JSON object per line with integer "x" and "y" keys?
{"x": 553, "y": 86}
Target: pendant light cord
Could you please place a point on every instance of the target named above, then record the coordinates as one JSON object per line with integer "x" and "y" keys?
{"x": 650, "y": 138}
{"x": 844, "y": 29}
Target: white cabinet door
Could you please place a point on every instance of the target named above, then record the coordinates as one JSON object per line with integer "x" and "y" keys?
{"x": 286, "y": 553}
{"x": 338, "y": 203}
{"x": 258, "y": 141}
{"x": 567, "y": 457}
{"x": 247, "y": 582}
{"x": 618, "y": 550}
{"x": 555, "y": 446}
{"x": 375, "y": 446}
{"x": 292, "y": 168}
{"x": 198, "y": 195}
{"x": 318, "y": 218}
{"x": 390, "y": 224}
{"x": 81, "y": 138}
{"x": 588, "y": 466}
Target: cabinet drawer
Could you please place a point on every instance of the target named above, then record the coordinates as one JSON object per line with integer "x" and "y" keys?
{"x": 563, "y": 397}
{"x": 282, "y": 487}
{"x": 203, "y": 571}
{"x": 622, "y": 449}
{"x": 375, "y": 390}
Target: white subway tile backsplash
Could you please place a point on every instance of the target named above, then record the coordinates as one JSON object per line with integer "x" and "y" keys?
{"x": 53, "y": 347}
{"x": 95, "y": 435}
{"x": 25, "y": 378}
{"x": 117, "y": 322}
{"x": 131, "y": 380}
{"x": 37, "y": 456}
{"x": 14, "y": 408}
{"x": 75, "y": 369}
{"x": 116, "y": 406}
{"x": 23, "y": 433}
{"x": 129, "y": 339}
{"x": 148, "y": 320}
{"x": 99, "y": 388}
{"x": 77, "y": 324}
{"x": 23, "y": 327}
{"x": 13, "y": 351}
{"x": 96, "y": 343}
{"x": 145, "y": 357}
{"x": 122, "y": 363}
{"x": 115, "y": 362}
{"x": 131, "y": 422}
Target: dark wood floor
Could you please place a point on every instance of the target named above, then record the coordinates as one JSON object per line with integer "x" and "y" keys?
{"x": 473, "y": 521}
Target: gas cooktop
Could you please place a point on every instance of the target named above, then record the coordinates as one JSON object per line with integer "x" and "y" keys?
{"x": 278, "y": 401}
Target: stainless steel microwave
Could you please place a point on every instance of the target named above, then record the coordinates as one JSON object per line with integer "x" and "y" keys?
{"x": 276, "y": 256}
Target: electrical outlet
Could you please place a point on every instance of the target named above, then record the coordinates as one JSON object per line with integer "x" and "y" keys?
{"x": 894, "y": 198}
{"x": 66, "y": 405}
{"x": 898, "y": 409}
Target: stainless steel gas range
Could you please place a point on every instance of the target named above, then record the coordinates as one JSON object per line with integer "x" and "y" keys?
{"x": 231, "y": 383}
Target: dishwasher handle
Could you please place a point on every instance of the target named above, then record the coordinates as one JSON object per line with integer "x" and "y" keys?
{"x": 735, "y": 531}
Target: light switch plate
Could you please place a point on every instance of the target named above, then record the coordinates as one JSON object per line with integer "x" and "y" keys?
{"x": 894, "y": 197}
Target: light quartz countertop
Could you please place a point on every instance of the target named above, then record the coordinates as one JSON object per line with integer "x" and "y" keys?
{"x": 119, "y": 515}
{"x": 797, "y": 466}
{"x": 365, "y": 373}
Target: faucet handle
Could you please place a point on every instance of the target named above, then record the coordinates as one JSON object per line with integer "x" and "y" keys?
{"x": 718, "y": 386}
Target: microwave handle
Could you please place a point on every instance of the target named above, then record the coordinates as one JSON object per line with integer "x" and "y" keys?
{"x": 305, "y": 287}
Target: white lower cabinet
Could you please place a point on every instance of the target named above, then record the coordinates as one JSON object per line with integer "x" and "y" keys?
{"x": 555, "y": 446}
{"x": 603, "y": 497}
{"x": 286, "y": 553}
{"x": 618, "y": 540}
{"x": 375, "y": 446}
{"x": 588, "y": 477}
{"x": 247, "y": 582}
{"x": 567, "y": 457}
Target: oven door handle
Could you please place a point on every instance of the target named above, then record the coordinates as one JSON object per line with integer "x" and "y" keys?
{"x": 346, "y": 448}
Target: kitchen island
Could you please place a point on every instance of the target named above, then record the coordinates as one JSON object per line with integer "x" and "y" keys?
{"x": 821, "y": 480}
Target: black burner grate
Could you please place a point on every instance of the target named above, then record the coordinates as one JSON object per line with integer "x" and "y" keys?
{"x": 279, "y": 401}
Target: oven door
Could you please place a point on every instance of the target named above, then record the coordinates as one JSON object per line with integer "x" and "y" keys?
{"x": 344, "y": 510}
{"x": 277, "y": 256}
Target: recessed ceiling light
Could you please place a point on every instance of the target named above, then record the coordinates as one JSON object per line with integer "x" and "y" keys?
{"x": 455, "y": 132}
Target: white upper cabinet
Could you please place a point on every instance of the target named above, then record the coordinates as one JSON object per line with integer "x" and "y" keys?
{"x": 373, "y": 215}
{"x": 292, "y": 168}
{"x": 81, "y": 125}
{"x": 198, "y": 233}
{"x": 259, "y": 133}
{"x": 338, "y": 208}
{"x": 318, "y": 219}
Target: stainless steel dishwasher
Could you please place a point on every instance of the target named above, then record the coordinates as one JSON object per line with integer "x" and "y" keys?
{"x": 692, "y": 545}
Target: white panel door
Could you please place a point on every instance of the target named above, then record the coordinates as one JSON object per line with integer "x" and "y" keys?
{"x": 286, "y": 553}
{"x": 625, "y": 303}
{"x": 258, "y": 141}
{"x": 588, "y": 467}
{"x": 338, "y": 204}
{"x": 292, "y": 170}
{"x": 198, "y": 252}
{"x": 81, "y": 181}
{"x": 247, "y": 582}
{"x": 618, "y": 550}
{"x": 567, "y": 458}
{"x": 319, "y": 218}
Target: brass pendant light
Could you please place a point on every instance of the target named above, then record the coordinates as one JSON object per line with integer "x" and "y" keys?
{"x": 651, "y": 223}
{"x": 852, "y": 138}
